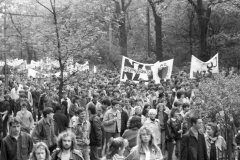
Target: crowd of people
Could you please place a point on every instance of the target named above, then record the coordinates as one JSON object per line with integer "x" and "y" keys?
{"x": 99, "y": 117}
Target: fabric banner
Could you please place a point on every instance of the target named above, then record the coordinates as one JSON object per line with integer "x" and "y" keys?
{"x": 162, "y": 70}
{"x": 203, "y": 69}
{"x": 135, "y": 71}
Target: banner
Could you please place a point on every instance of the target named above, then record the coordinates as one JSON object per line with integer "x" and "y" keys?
{"x": 203, "y": 69}
{"x": 135, "y": 71}
{"x": 162, "y": 70}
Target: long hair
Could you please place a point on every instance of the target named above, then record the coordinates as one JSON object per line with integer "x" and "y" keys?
{"x": 151, "y": 144}
{"x": 114, "y": 146}
{"x": 66, "y": 134}
{"x": 40, "y": 145}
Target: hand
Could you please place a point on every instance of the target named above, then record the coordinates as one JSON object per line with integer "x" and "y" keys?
{"x": 174, "y": 142}
{"x": 180, "y": 132}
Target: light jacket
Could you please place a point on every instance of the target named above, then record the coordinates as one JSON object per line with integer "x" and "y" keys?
{"x": 74, "y": 155}
{"x": 109, "y": 123}
{"x": 220, "y": 144}
{"x": 155, "y": 154}
{"x": 154, "y": 126}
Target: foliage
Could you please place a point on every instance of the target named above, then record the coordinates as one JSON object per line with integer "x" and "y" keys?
{"x": 220, "y": 94}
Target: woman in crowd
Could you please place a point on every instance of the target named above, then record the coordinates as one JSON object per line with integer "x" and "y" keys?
{"x": 131, "y": 133}
{"x": 146, "y": 108}
{"x": 215, "y": 143}
{"x": 116, "y": 147}
{"x": 146, "y": 148}
{"x": 40, "y": 152}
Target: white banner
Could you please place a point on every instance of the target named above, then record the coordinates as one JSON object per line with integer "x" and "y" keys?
{"x": 135, "y": 71}
{"x": 162, "y": 70}
{"x": 203, "y": 69}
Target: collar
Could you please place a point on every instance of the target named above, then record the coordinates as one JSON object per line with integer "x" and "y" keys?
{"x": 60, "y": 154}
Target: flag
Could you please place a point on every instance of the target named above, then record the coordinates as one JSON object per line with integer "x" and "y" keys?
{"x": 203, "y": 69}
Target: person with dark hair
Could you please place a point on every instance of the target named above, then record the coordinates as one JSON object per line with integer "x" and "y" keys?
{"x": 5, "y": 112}
{"x": 193, "y": 144}
{"x": 131, "y": 133}
{"x": 185, "y": 109}
{"x": 17, "y": 145}
{"x": 81, "y": 127}
{"x": 124, "y": 119}
{"x": 116, "y": 148}
{"x": 27, "y": 121}
{"x": 146, "y": 108}
{"x": 112, "y": 121}
{"x": 60, "y": 119}
{"x": 66, "y": 147}
{"x": 95, "y": 132}
{"x": 106, "y": 103}
{"x": 40, "y": 152}
{"x": 44, "y": 130}
{"x": 216, "y": 144}
{"x": 64, "y": 106}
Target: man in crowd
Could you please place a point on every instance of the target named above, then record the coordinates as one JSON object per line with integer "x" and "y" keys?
{"x": 61, "y": 120}
{"x": 17, "y": 145}
{"x": 81, "y": 127}
{"x": 66, "y": 150}
{"x": 44, "y": 130}
{"x": 193, "y": 145}
{"x": 95, "y": 132}
{"x": 25, "y": 117}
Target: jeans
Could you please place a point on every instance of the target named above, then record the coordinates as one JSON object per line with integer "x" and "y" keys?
{"x": 85, "y": 151}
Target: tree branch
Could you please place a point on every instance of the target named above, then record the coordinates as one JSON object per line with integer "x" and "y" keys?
{"x": 193, "y": 4}
{"x": 14, "y": 25}
{"x": 44, "y": 6}
{"x": 127, "y": 5}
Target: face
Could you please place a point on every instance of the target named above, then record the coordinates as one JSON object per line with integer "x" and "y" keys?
{"x": 50, "y": 116}
{"x": 15, "y": 129}
{"x": 152, "y": 115}
{"x": 82, "y": 115}
{"x": 40, "y": 153}
{"x": 145, "y": 137}
{"x": 199, "y": 124}
{"x": 209, "y": 130}
{"x": 67, "y": 142}
{"x": 24, "y": 107}
{"x": 116, "y": 106}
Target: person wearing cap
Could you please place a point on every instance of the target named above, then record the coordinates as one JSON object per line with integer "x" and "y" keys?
{"x": 44, "y": 129}
{"x": 112, "y": 121}
{"x": 25, "y": 117}
{"x": 17, "y": 145}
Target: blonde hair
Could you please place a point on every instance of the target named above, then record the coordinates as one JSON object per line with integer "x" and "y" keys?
{"x": 151, "y": 144}
{"x": 40, "y": 145}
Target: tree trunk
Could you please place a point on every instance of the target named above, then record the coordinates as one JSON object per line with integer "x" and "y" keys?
{"x": 29, "y": 53}
{"x": 191, "y": 20}
{"x": 158, "y": 32}
{"x": 203, "y": 15}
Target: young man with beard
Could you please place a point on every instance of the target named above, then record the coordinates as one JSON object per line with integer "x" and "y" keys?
{"x": 66, "y": 151}
{"x": 17, "y": 145}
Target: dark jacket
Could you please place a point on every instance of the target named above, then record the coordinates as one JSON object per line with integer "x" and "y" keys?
{"x": 13, "y": 149}
{"x": 75, "y": 155}
{"x": 124, "y": 120}
{"x": 192, "y": 148}
{"x": 96, "y": 131}
{"x": 61, "y": 122}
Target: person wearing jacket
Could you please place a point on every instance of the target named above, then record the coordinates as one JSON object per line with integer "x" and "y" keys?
{"x": 17, "y": 145}
{"x": 95, "y": 132}
{"x": 66, "y": 143}
{"x": 146, "y": 148}
{"x": 44, "y": 130}
{"x": 214, "y": 142}
{"x": 112, "y": 121}
{"x": 193, "y": 144}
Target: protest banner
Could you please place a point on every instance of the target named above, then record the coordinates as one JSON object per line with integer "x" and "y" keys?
{"x": 203, "y": 69}
{"x": 135, "y": 71}
{"x": 162, "y": 70}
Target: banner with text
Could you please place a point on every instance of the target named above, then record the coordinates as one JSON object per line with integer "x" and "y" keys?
{"x": 203, "y": 69}
{"x": 135, "y": 71}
